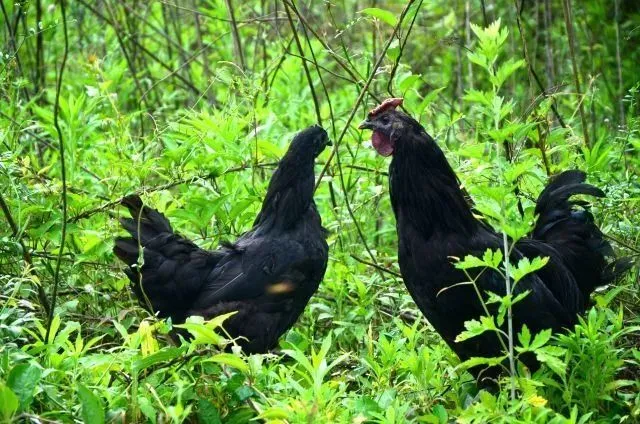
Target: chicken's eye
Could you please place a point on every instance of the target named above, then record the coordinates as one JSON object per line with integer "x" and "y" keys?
{"x": 384, "y": 120}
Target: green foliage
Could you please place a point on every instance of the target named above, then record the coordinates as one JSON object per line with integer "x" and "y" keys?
{"x": 163, "y": 100}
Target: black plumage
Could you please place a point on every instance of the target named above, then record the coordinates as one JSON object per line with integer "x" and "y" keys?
{"x": 268, "y": 275}
{"x": 435, "y": 222}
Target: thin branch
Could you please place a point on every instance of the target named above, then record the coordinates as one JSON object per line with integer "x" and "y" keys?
{"x": 401, "y": 51}
{"x": 621, "y": 118}
{"x": 304, "y": 65}
{"x": 63, "y": 169}
{"x": 106, "y": 206}
{"x": 376, "y": 266}
{"x": 354, "y": 110}
{"x": 237, "y": 43}
{"x": 568, "y": 21}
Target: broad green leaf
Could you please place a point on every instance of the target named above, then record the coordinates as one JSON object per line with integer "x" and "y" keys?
{"x": 493, "y": 258}
{"x": 231, "y": 360}
{"x": 22, "y": 380}
{"x": 274, "y": 413}
{"x": 381, "y": 14}
{"x": 208, "y": 413}
{"x": 92, "y": 409}
{"x": 9, "y": 403}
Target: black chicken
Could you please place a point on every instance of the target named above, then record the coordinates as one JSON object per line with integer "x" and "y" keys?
{"x": 435, "y": 222}
{"x": 268, "y": 275}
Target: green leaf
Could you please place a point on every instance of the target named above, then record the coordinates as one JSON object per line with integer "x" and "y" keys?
{"x": 493, "y": 258}
{"x": 475, "y": 328}
{"x": 382, "y": 15}
{"x": 470, "y": 261}
{"x": 208, "y": 413}
{"x": 244, "y": 392}
{"x": 203, "y": 332}
{"x": 428, "y": 99}
{"x": 505, "y": 70}
{"x": 163, "y": 355}
{"x": 525, "y": 267}
{"x": 475, "y": 361}
{"x": 524, "y": 336}
{"x": 476, "y": 96}
{"x": 274, "y": 413}
{"x": 9, "y": 403}
{"x": 541, "y": 339}
{"x": 92, "y": 410}
{"x": 22, "y": 380}
{"x": 549, "y": 356}
{"x": 230, "y": 360}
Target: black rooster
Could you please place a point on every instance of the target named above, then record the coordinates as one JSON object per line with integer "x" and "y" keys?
{"x": 435, "y": 222}
{"x": 268, "y": 275}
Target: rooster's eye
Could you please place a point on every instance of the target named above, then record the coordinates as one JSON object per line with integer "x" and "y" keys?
{"x": 384, "y": 120}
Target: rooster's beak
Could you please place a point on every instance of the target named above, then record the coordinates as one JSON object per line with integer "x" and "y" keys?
{"x": 365, "y": 125}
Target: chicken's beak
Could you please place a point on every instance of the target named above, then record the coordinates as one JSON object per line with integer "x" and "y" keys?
{"x": 365, "y": 125}
{"x": 329, "y": 142}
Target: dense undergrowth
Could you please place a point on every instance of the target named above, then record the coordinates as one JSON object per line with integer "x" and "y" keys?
{"x": 191, "y": 105}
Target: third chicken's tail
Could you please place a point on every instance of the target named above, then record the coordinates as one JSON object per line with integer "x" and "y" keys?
{"x": 568, "y": 225}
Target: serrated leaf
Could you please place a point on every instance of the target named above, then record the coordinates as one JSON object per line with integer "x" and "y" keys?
{"x": 524, "y": 337}
{"x": 477, "y": 96}
{"x": 526, "y": 266}
{"x": 470, "y": 261}
{"x": 474, "y": 328}
{"x": 541, "y": 339}
{"x": 549, "y": 357}
{"x": 537, "y": 401}
{"x": 475, "y": 361}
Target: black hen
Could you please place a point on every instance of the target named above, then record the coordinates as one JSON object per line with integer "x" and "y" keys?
{"x": 435, "y": 222}
{"x": 268, "y": 275}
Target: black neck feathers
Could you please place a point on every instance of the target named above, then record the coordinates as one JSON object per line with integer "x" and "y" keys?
{"x": 425, "y": 190}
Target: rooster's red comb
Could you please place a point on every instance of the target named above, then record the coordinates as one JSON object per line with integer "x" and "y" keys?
{"x": 387, "y": 104}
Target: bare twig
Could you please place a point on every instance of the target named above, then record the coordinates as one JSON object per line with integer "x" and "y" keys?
{"x": 354, "y": 110}
{"x": 304, "y": 65}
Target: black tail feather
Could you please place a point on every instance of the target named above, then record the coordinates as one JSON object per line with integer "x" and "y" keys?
{"x": 145, "y": 223}
{"x": 616, "y": 269}
{"x": 568, "y": 226}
